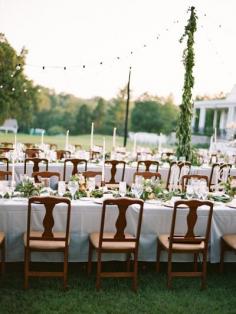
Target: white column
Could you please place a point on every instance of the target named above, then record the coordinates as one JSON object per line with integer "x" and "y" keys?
{"x": 230, "y": 116}
{"x": 202, "y": 118}
{"x": 230, "y": 119}
{"x": 215, "y": 119}
{"x": 222, "y": 120}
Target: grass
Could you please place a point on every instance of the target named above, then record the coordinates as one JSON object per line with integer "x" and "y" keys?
{"x": 47, "y": 296}
{"x": 84, "y": 140}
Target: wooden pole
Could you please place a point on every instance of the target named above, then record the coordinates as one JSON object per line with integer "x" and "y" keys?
{"x": 127, "y": 110}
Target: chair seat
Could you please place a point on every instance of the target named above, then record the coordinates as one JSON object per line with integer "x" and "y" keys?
{"x": 230, "y": 239}
{"x": 41, "y": 245}
{"x": 164, "y": 239}
{"x": 2, "y": 237}
{"x": 94, "y": 238}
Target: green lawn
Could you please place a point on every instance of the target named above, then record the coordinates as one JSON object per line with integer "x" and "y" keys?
{"x": 84, "y": 140}
{"x": 47, "y": 296}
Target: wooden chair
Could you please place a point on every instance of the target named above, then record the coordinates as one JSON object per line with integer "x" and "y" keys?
{"x": 147, "y": 175}
{"x": 6, "y": 162}
{"x": 4, "y": 175}
{"x": 187, "y": 177}
{"x": 148, "y": 164}
{"x": 75, "y": 162}
{"x": 2, "y": 249}
{"x": 45, "y": 174}
{"x": 114, "y": 163}
{"x": 219, "y": 174}
{"x": 92, "y": 174}
{"x": 29, "y": 145}
{"x": 186, "y": 243}
{"x": 78, "y": 147}
{"x": 228, "y": 243}
{"x": 4, "y": 150}
{"x": 116, "y": 242}
{"x": 32, "y": 153}
{"x": 213, "y": 159}
{"x": 62, "y": 154}
{"x": 36, "y": 162}
{"x": 47, "y": 240}
{"x": 165, "y": 155}
{"x": 176, "y": 171}
{"x": 7, "y": 144}
{"x": 53, "y": 146}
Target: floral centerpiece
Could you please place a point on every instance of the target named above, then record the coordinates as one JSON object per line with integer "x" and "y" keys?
{"x": 230, "y": 186}
{"x": 27, "y": 188}
{"x": 153, "y": 189}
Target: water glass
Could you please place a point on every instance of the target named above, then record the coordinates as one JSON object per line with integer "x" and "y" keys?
{"x": 91, "y": 185}
{"x": 122, "y": 188}
{"x": 73, "y": 187}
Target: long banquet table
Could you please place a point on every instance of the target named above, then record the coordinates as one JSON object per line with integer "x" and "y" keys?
{"x": 85, "y": 218}
{"x": 129, "y": 170}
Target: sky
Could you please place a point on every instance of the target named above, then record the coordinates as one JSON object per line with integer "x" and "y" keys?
{"x": 142, "y": 34}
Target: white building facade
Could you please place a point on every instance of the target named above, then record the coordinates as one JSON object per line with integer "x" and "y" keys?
{"x": 226, "y": 108}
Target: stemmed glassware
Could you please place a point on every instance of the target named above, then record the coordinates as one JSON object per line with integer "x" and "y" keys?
{"x": 73, "y": 187}
{"x": 122, "y": 188}
{"x": 61, "y": 188}
{"x": 137, "y": 189}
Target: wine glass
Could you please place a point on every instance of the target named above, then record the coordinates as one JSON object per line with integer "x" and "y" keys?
{"x": 91, "y": 184}
{"x": 61, "y": 188}
{"x": 122, "y": 188}
{"x": 73, "y": 187}
{"x": 137, "y": 190}
{"x": 189, "y": 191}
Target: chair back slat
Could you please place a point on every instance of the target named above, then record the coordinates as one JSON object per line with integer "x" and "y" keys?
{"x": 187, "y": 177}
{"x": 49, "y": 203}
{"x": 121, "y": 221}
{"x": 191, "y": 219}
{"x": 114, "y": 164}
{"x": 36, "y": 162}
{"x": 148, "y": 164}
{"x": 75, "y": 162}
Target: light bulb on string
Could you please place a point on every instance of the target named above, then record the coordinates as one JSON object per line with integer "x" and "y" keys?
{"x": 18, "y": 67}
{"x": 83, "y": 66}
{"x": 12, "y": 74}
{"x": 13, "y": 89}
{"x": 39, "y": 90}
{"x": 64, "y": 68}
{"x": 25, "y": 90}
{"x": 43, "y": 67}
{"x": 1, "y": 86}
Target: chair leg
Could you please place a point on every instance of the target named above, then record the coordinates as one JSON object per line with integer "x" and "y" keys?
{"x": 222, "y": 254}
{"x": 3, "y": 257}
{"x": 169, "y": 272}
{"x": 26, "y": 276}
{"x": 99, "y": 268}
{"x": 135, "y": 277}
{"x": 128, "y": 262}
{"x": 90, "y": 255}
{"x": 158, "y": 256}
{"x": 204, "y": 270}
{"x": 195, "y": 256}
{"x": 65, "y": 270}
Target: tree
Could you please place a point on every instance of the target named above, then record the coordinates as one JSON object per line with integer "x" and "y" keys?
{"x": 83, "y": 120}
{"x": 183, "y": 133}
{"x": 18, "y": 96}
{"x": 98, "y": 116}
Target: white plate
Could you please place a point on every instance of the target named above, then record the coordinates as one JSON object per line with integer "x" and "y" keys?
{"x": 98, "y": 200}
{"x": 86, "y": 199}
{"x": 154, "y": 202}
{"x": 231, "y": 204}
{"x": 171, "y": 204}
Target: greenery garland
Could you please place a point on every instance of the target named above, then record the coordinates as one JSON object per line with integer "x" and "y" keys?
{"x": 183, "y": 132}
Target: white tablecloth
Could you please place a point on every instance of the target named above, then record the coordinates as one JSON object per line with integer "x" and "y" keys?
{"x": 85, "y": 218}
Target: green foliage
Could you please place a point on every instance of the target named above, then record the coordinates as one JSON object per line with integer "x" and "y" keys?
{"x": 18, "y": 96}
{"x": 83, "y": 120}
{"x": 183, "y": 132}
{"x": 27, "y": 188}
{"x": 154, "y": 116}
